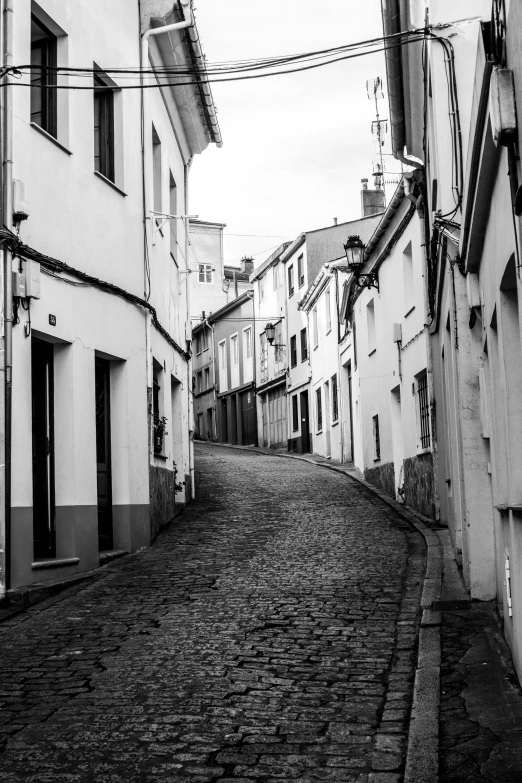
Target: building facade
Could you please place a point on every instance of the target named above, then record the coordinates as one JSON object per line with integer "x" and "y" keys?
{"x": 223, "y": 381}
{"x": 100, "y": 348}
{"x": 271, "y": 358}
{"x": 472, "y": 227}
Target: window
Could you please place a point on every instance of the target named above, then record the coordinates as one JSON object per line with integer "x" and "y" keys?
{"x": 295, "y": 413}
{"x": 376, "y": 439}
{"x": 407, "y": 266}
{"x": 316, "y": 333}
{"x": 223, "y": 369}
{"x": 156, "y": 172}
{"x": 370, "y": 321}
{"x": 304, "y": 345}
{"x": 318, "y": 410}
{"x": 43, "y": 77}
{"x": 300, "y": 270}
{"x": 173, "y": 223}
{"x": 293, "y": 351}
{"x": 264, "y": 358}
{"x": 261, "y": 289}
{"x": 158, "y": 420}
{"x": 328, "y": 311}
{"x": 276, "y": 276}
{"x": 205, "y": 273}
{"x": 278, "y": 340}
{"x": 291, "y": 280}
{"x": 335, "y": 399}
{"x": 423, "y": 409}
{"x": 103, "y": 129}
{"x": 234, "y": 361}
{"x": 204, "y": 339}
{"x": 200, "y": 382}
{"x": 207, "y": 378}
{"x": 248, "y": 370}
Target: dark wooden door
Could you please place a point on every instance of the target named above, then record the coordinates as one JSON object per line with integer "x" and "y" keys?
{"x": 42, "y": 392}
{"x": 248, "y": 419}
{"x": 305, "y": 423}
{"x": 103, "y": 453}
{"x": 224, "y": 420}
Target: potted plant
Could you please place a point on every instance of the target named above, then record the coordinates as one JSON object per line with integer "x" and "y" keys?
{"x": 160, "y": 429}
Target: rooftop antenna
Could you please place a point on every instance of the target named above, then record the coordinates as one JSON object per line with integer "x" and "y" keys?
{"x": 379, "y": 130}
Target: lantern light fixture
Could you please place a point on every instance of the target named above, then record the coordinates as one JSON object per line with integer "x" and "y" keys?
{"x": 354, "y": 249}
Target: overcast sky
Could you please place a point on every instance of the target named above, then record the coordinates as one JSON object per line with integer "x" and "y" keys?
{"x": 294, "y": 147}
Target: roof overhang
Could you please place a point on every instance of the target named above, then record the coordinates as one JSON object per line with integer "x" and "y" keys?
{"x": 182, "y": 49}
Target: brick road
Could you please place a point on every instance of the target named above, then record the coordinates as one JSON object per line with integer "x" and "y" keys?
{"x": 269, "y": 635}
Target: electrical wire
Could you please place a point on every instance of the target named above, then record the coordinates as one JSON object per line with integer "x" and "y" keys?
{"x": 17, "y": 247}
{"x": 204, "y": 75}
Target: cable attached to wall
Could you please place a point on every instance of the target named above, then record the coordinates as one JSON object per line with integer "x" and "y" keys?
{"x": 19, "y": 248}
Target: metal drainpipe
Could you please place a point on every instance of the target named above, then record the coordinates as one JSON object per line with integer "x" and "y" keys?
{"x": 147, "y": 219}
{"x": 429, "y": 355}
{"x": 7, "y": 188}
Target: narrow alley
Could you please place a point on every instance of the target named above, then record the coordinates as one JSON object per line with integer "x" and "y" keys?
{"x": 269, "y": 634}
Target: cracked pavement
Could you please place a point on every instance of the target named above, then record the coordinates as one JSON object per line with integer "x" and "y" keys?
{"x": 268, "y": 635}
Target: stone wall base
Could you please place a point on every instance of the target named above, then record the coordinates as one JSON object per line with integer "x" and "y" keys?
{"x": 382, "y": 476}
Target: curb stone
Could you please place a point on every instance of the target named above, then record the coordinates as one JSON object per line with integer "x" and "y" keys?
{"x": 422, "y": 754}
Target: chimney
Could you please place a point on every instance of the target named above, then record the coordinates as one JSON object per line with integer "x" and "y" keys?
{"x": 247, "y": 265}
{"x": 335, "y": 221}
{"x": 372, "y": 201}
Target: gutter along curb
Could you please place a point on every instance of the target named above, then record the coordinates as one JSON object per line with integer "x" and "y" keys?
{"x": 422, "y": 754}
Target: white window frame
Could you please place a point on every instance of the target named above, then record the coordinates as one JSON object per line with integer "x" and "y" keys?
{"x": 315, "y": 328}
{"x": 248, "y": 365}
{"x": 205, "y": 270}
{"x": 223, "y": 366}
{"x": 328, "y": 310}
{"x": 234, "y": 360}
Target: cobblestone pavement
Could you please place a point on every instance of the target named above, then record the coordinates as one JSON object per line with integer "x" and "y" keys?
{"x": 269, "y": 635}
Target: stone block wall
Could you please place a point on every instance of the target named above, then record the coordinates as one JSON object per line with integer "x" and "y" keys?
{"x": 382, "y": 476}
{"x": 419, "y": 485}
{"x": 162, "y": 499}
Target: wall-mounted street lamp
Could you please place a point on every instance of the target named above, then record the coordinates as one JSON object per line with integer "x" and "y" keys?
{"x": 270, "y": 336}
{"x": 354, "y": 249}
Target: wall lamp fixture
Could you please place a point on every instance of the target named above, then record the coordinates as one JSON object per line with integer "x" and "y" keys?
{"x": 270, "y": 336}
{"x": 354, "y": 249}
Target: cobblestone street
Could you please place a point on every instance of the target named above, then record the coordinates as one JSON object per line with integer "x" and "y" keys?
{"x": 268, "y": 635}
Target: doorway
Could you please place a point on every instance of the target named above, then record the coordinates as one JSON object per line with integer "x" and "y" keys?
{"x": 305, "y": 423}
{"x": 103, "y": 453}
{"x": 328, "y": 446}
{"x": 224, "y": 421}
{"x": 42, "y": 391}
{"x": 350, "y": 408}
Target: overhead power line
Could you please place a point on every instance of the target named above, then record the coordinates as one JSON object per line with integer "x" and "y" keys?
{"x": 217, "y": 72}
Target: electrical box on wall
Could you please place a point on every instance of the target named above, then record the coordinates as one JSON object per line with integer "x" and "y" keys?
{"x": 32, "y": 279}
{"x": 397, "y": 333}
{"x": 26, "y": 283}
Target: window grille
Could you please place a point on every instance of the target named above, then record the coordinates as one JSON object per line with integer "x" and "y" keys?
{"x": 335, "y": 399}
{"x": 319, "y": 409}
{"x": 424, "y": 409}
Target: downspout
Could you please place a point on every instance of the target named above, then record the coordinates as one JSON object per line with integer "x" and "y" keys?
{"x": 147, "y": 223}
{"x": 391, "y": 22}
{"x": 7, "y": 195}
{"x": 188, "y": 335}
{"x": 421, "y": 209}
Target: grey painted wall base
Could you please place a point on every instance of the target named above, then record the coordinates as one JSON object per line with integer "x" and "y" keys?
{"x": 76, "y": 537}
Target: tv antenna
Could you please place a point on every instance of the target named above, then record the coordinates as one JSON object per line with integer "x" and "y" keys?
{"x": 379, "y": 130}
